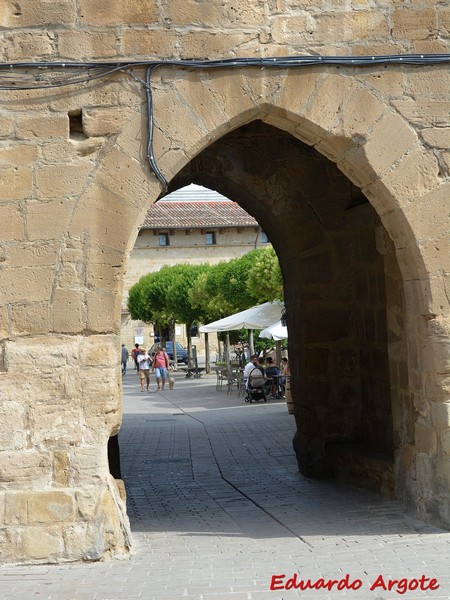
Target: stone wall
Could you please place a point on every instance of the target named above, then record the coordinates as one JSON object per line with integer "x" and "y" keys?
{"x": 75, "y": 186}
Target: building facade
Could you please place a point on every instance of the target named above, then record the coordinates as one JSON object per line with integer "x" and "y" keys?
{"x": 183, "y": 230}
{"x": 328, "y": 123}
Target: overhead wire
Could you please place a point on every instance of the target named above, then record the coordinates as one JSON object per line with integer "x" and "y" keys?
{"x": 47, "y": 75}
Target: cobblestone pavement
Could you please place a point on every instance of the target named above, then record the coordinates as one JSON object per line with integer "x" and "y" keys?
{"x": 217, "y": 507}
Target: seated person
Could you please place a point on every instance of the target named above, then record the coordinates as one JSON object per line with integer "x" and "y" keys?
{"x": 285, "y": 372}
{"x": 260, "y": 365}
{"x": 252, "y": 364}
{"x": 272, "y": 374}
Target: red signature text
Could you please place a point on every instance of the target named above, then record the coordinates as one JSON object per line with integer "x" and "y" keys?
{"x": 295, "y": 583}
{"x": 400, "y": 586}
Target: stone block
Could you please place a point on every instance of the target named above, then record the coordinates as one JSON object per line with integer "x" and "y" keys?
{"x": 417, "y": 24}
{"x": 21, "y": 46}
{"x": 104, "y": 216}
{"x": 149, "y": 43}
{"x": 70, "y": 276}
{"x": 424, "y": 113}
{"x": 60, "y": 468}
{"x": 15, "y": 183}
{"x": 30, "y": 128}
{"x": 31, "y": 253}
{"x": 425, "y": 438}
{"x": 440, "y": 415}
{"x": 68, "y": 311}
{"x": 229, "y": 91}
{"x": 391, "y": 83}
{"x": 71, "y": 149}
{"x": 289, "y": 28}
{"x": 131, "y": 12}
{"x": 18, "y": 154}
{"x": 443, "y": 472}
{"x": 16, "y": 509}
{"x": 103, "y": 311}
{"x": 214, "y": 45}
{"x": 26, "y": 469}
{"x": 193, "y": 91}
{"x": 436, "y": 259}
{"x": 430, "y": 213}
{"x": 30, "y": 13}
{"x": 356, "y": 166}
{"x": 99, "y": 351}
{"x": 62, "y": 180}
{"x": 88, "y": 504}
{"x": 13, "y": 431}
{"x": 51, "y": 425}
{"x": 445, "y": 442}
{"x": 6, "y": 128}
{"x": 429, "y": 83}
{"x": 31, "y": 318}
{"x": 88, "y": 466}
{"x": 49, "y": 355}
{"x": 384, "y": 150}
{"x": 87, "y": 45}
{"x": 343, "y": 26}
{"x": 121, "y": 489}
{"x": 12, "y": 225}
{"x": 102, "y": 122}
{"x": 105, "y": 275}
{"x": 4, "y": 322}
{"x": 357, "y": 122}
{"x": 26, "y": 285}
{"x": 325, "y": 106}
{"x": 194, "y": 13}
{"x": 50, "y": 507}
{"x": 43, "y": 543}
{"x": 435, "y": 355}
{"x": 84, "y": 541}
{"x": 48, "y": 220}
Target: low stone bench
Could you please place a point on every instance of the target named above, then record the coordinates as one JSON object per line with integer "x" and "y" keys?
{"x": 362, "y": 465}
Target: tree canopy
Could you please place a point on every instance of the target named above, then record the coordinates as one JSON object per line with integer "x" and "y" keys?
{"x": 187, "y": 293}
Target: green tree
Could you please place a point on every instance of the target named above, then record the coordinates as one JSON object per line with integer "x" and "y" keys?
{"x": 178, "y": 302}
{"x": 232, "y": 282}
{"x": 264, "y": 278}
{"x": 147, "y": 299}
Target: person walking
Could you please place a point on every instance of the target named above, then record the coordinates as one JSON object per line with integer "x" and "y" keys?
{"x": 124, "y": 359}
{"x": 160, "y": 365}
{"x": 144, "y": 361}
{"x": 134, "y": 355}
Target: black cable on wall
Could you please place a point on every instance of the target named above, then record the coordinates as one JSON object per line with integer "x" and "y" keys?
{"x": 45, "y": 75}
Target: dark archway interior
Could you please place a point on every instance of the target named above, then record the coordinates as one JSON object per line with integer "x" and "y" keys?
{"x": 325, "y": 233}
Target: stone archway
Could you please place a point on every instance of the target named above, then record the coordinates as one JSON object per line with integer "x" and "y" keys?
{"x": 348, "y": 122}
{"x": 336, "y": 257}
{"x": 88, "y": 220}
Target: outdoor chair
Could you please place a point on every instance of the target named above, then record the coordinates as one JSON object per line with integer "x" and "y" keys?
{"x": 221, "y": 376}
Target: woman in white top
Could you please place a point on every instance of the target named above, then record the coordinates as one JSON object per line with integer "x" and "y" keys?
{"x": 143, "y": 361}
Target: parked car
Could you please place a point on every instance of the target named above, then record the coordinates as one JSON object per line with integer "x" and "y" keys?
{"x": 182, "y": 355}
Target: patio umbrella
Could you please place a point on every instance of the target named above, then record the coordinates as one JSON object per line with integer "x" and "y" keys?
{"x": 276, "y": 332}
{"x": 257, "y": 317}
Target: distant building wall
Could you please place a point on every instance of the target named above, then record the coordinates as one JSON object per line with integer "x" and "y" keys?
{"x": 186, "y": 246}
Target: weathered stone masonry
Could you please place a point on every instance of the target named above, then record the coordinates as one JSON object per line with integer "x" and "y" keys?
{"x": 346, "y": 169}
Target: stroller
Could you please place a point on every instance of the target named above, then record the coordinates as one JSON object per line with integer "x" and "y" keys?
{"x": 256, "y": 387}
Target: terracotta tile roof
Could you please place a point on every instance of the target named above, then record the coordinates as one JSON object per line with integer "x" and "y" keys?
{"x": 197, "y": 215}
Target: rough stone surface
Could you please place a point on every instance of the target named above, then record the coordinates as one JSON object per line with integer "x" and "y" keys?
{"x": 363, "y": 246}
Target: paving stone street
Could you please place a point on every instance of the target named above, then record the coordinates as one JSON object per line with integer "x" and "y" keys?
{"x": 217, "y": 509}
